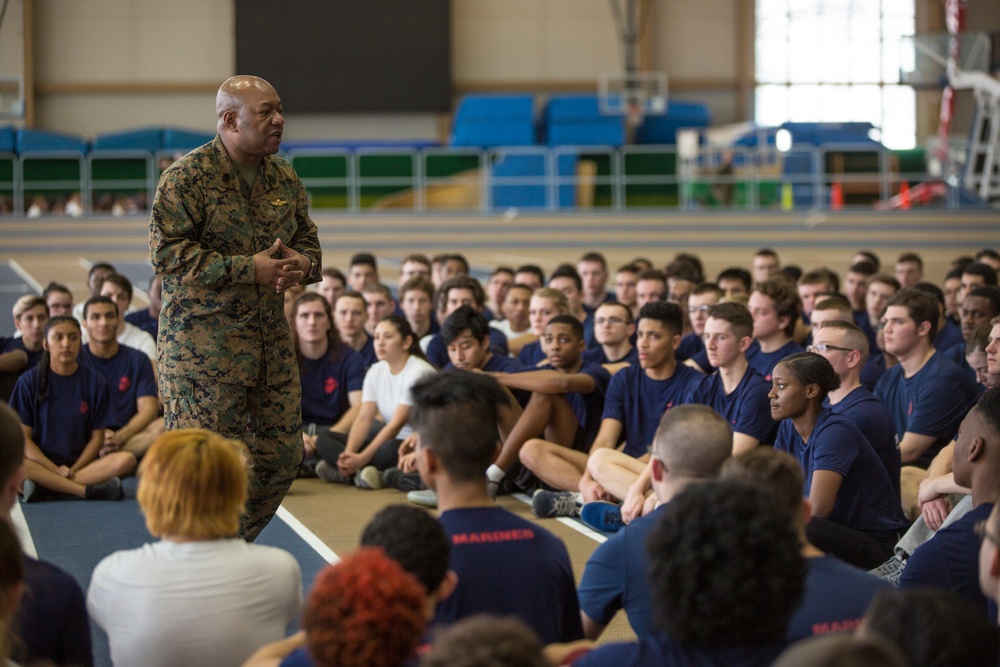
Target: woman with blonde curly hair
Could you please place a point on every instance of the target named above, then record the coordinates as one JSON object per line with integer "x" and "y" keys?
{"x": 200, "y": 595}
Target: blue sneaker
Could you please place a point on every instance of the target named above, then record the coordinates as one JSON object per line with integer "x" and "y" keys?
{"x": 602, "y": 515}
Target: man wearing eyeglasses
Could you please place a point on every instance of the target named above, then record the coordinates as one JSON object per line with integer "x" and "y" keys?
{"x": 613, "y": 331}
{"x": 950, "y": 559}
{"x": 837, "y": 308}
{"x": 692, "y": 347}
{"x": 845, "y": 345}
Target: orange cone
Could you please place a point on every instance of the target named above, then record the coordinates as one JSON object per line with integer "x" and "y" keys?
{"x": 836, "y": 196}
{"x": 904, "y": 195}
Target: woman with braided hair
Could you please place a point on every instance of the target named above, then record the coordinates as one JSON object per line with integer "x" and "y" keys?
{"x": 63, "y": 406}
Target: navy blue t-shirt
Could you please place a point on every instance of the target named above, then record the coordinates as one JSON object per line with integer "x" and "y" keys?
{"x": 764, "y": 362}
{"x": 52, "y": 621}
{"x": 747, "y": 408}
{"x": 861, "y": 319}
{"x": 616, "y": 577}
{"x": 872, "y": 371}
{"x": 507, "y": 565}
{"x": 660, "y": 649}
{"x": 531, "y": 354}
{"x": 949, "y": 335}
{"x": 326, "y": 384}
{"x": 932, "y": 402}
{"x": 956, "y": 355}
{"x": 691, "y": 346}
{"x": 638, "y": 402}
{"x": 873, "y": 420}
{"x": 437, "y": 351}
{"x": 62, "y": 425}
{"x": 596, "y": 355}
{"x": 498, "y": 363}
{"x": 367, "y": 353}
{"x": 836, "y": 597}
{"x": 866, "y": 500}
{"x": 145, "y": 321}
{"x": 129, "y": 376}
{"x": 950, "y": 559}
{"x": 588, "y": 408}
{"x": 18, "y": 344}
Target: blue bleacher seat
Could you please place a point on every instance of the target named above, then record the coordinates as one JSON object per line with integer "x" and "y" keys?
{"x": 485, "y": 121}
{"x": 36, "y": 140}
{"x": 576, "y": 120}
{"x": 177, "y": 139}
{"x": 526, "y": 194}
{"x": 662, "y": 128}
{"x": 143, "y": 139}
{"x": 7, "y": 139}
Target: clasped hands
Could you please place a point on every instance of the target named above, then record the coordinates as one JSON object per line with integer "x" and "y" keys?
{"x": 280, "y": 267}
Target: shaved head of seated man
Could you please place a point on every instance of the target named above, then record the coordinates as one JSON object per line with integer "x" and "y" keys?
{"x": 845, "y": 346}
{"x": 636, "y": 399}
{"x": 691, "y": 444}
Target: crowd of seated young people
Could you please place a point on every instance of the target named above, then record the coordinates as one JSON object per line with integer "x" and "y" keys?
{"x": 583, "y": 376}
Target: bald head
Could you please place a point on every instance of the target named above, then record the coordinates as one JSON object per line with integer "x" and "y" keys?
{"x": 237, "y": 90}
{"x": 693, "y": 441}
{"x": 250, "y": 119}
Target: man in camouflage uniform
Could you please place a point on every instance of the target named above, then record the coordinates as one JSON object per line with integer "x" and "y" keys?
{"x": 229, "y": 233}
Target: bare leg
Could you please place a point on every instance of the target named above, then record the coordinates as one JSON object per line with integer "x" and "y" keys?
{"x": 47, "y": 479}
{"x": 909, "y": 484}
{"x": 116, "y": 464}
{"x": 533, "y": 423}
{"x": 507, "y": 417}
{"x": 140, "y": 442}
{"x": 615, "y": 471}
{"x": 558, "y": 466}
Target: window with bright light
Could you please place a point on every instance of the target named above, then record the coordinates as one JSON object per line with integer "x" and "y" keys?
{"x": 835, "y": 61}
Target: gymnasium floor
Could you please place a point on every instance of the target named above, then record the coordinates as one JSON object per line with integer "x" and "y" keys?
{"x": 328, "y": 519}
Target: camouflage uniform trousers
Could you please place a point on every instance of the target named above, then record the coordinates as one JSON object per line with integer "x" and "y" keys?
{"x": 266, "y": 418}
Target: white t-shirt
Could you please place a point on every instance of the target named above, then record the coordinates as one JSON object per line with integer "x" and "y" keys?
{"x": 388, "y": 391}
{"x": 504, "y": 326}
{"x": 133, "y": 337}
{"x": 209, "y": 603}
{"x": 141, "y": 340}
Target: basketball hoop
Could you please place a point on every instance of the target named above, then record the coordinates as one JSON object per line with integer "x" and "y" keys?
{"x": 634, "y": 114}
{"x": 632, "y": 94}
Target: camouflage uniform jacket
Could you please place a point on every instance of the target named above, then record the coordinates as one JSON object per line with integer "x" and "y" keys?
{"x": 216, "y": 322}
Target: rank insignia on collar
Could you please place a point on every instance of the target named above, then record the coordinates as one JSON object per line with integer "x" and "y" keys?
{"x": 279, "y": 202}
